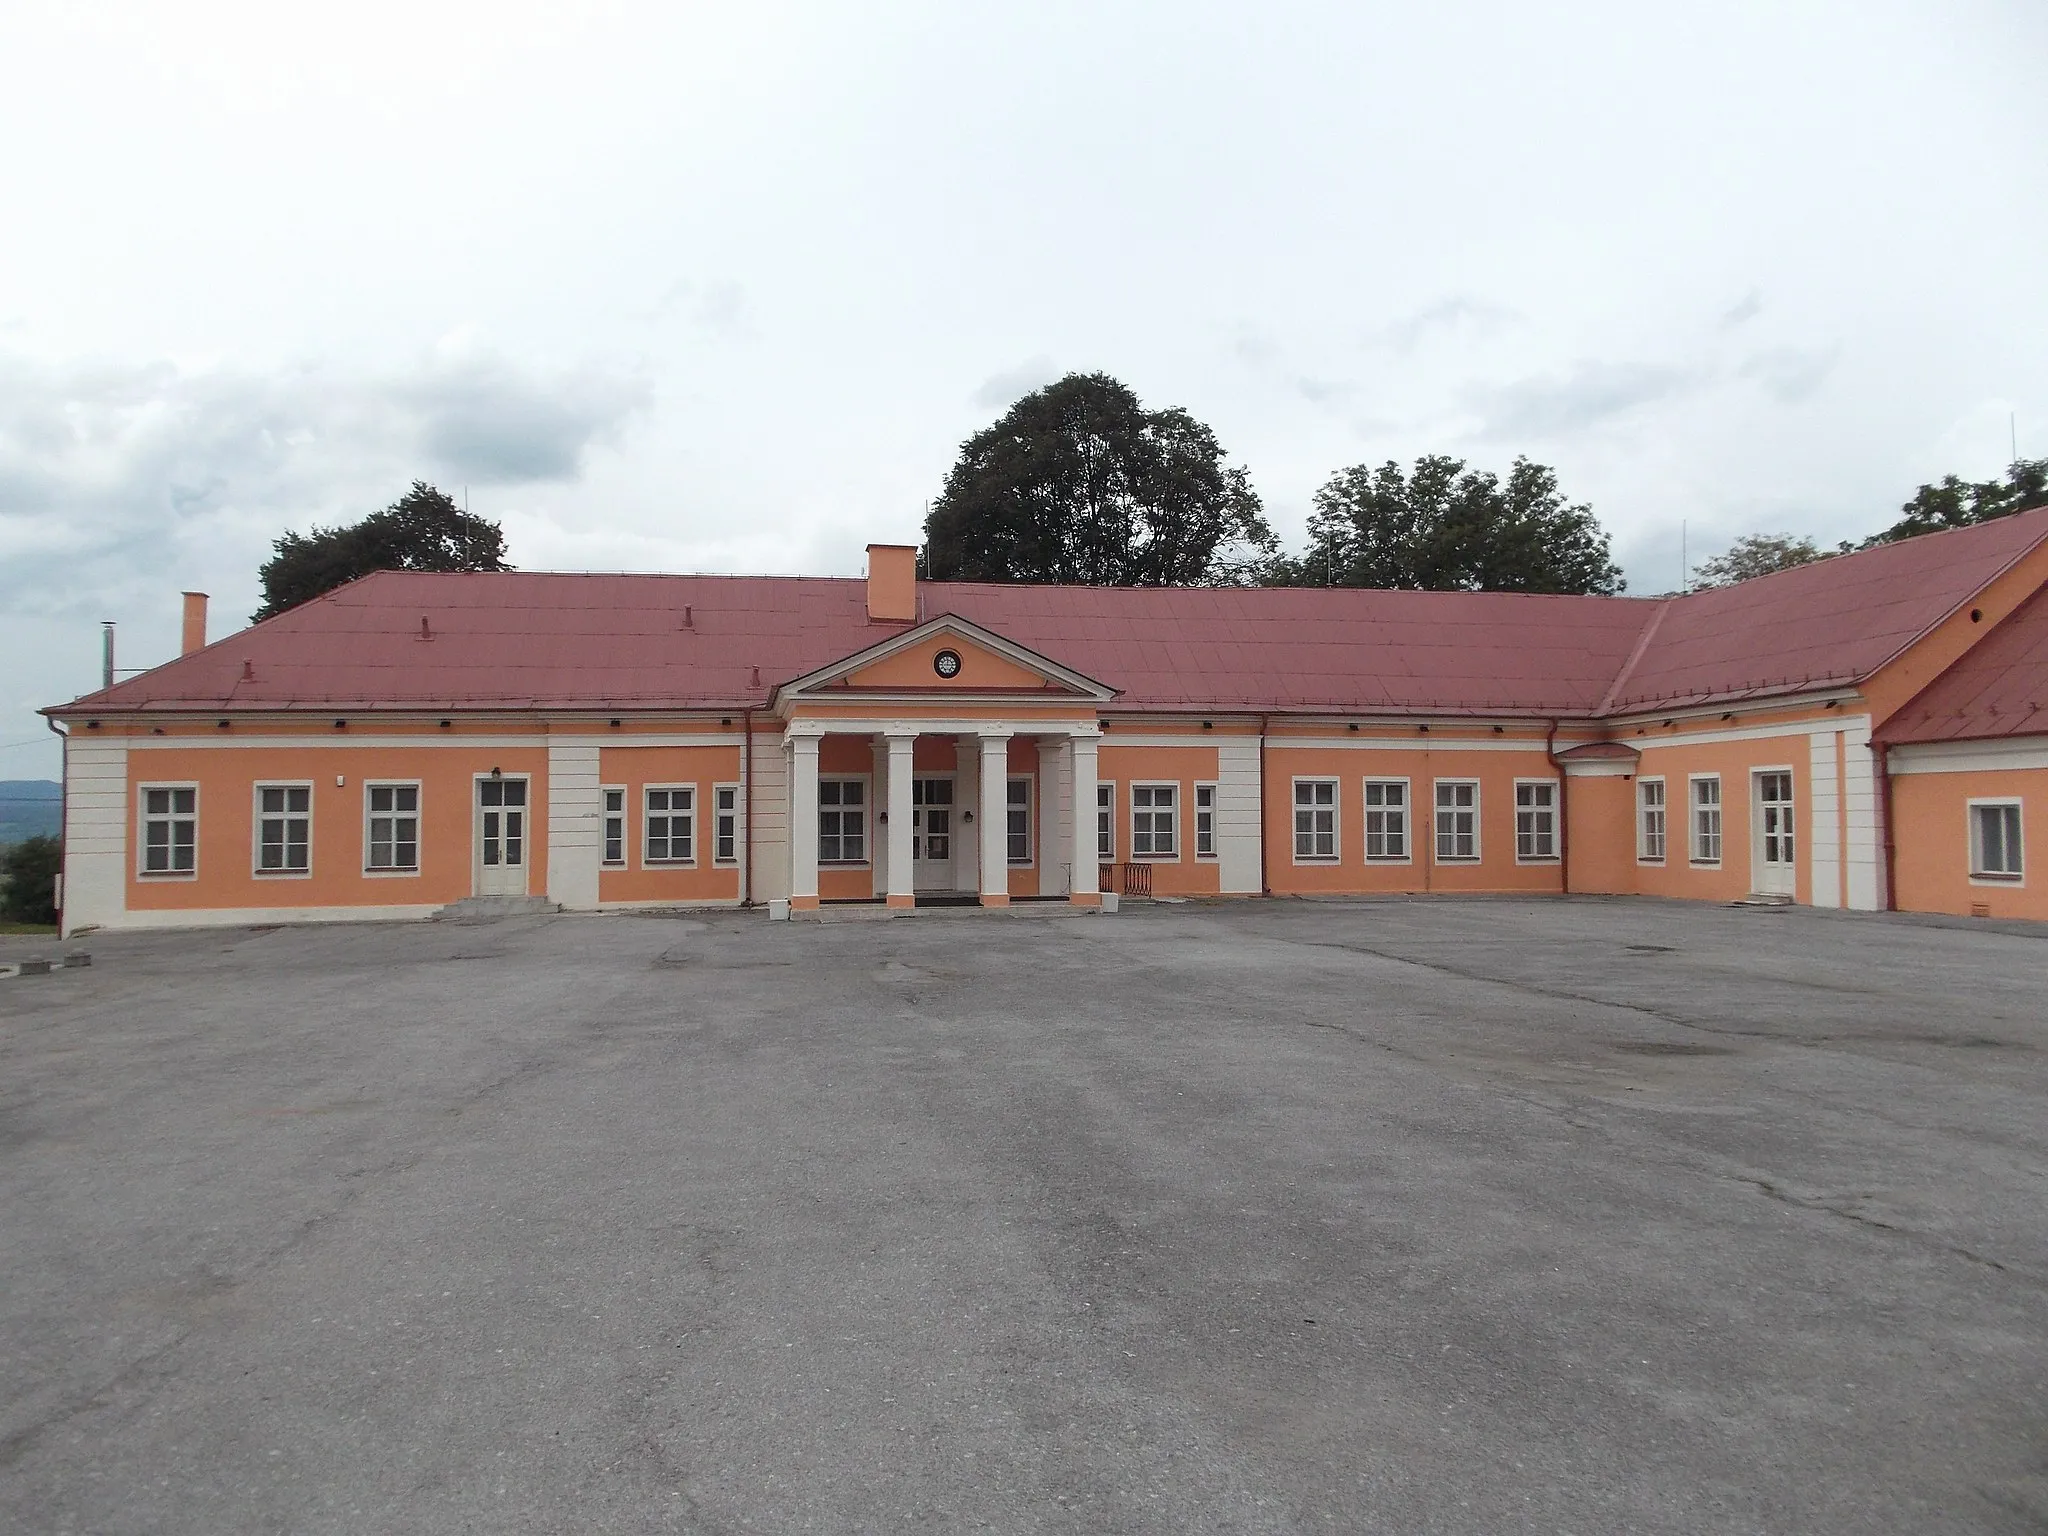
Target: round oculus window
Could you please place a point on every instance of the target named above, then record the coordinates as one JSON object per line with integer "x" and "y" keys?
{"x": 947, "y": 663}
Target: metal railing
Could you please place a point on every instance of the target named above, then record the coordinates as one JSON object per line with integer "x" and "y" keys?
{"x": 1126, "y": 879}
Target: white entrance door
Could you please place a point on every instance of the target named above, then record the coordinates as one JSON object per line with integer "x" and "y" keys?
{"x": 501, "y": 837}
{"x": 931, "y": 834}
{"x": 1777, "y": 860}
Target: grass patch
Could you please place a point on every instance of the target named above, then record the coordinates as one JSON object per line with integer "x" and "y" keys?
{"x": 47, "y": 930}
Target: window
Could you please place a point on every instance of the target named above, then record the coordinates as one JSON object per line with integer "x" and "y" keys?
{"x": 1535, "y": 822}
{"x": 170, "y": 829}
{"x": 394, "y": 839}
{"x": 1457, "y": 821}
{"x": 1386, "y": 821}
{"x": 725, "y": 823}
{"x": 1153, "y": 819}
{"x": 1650, "y": 820}
{"x": 615, "y": 826}
{"x": 1018, "y": 828}
{"x": 671, "y": 825}
{"x": 1706, "y": 820}
{"x": 842, "y": 821}
{"x": 1105, "y": 823}
{"x": 1995, "y": 840}
{"x": 1205, "y": 821}
{"x": 284, "y": 829}
{"x": 1315, "y": 820}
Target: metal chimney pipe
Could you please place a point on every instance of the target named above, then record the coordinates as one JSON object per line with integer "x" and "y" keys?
{"x": 106, "y": 653}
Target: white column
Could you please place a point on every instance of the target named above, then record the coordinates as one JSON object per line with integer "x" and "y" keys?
{"x": 1055, "y": 806}
{"x": 995, "y": 821}
{"x": 901, "y": 891}
{"x": 1085, "y": 892}
{"x": 966, "y": 797}
{"x": 803, "y": 820}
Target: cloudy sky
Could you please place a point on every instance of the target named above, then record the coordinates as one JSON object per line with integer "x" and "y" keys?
{"x": 723, "y": 287}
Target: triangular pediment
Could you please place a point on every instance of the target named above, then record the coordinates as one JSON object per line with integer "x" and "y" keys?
{"x": 946, "y": 656}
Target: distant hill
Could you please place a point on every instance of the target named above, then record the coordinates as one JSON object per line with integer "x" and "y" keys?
{"x": 29, "y": 808}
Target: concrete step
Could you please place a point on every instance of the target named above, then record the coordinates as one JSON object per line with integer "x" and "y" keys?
{"x": 485, "y": 909}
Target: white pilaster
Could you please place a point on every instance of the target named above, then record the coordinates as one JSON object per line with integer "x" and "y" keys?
{"x": 803, "y": 817}
{"x": 1238, "y": 834}
{"x": 97, "y": 811}
{"x": 1863, "y": 858}
{"x": 901, "y": 743}
{"x": 966, "y": 800}
{"x": 575, "y": 826}
{"x": 1084, "y": 890}
{"x": 1824, "y": 835}
{"x": 995, "y": 821}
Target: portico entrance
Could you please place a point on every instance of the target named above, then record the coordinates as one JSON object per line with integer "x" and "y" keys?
{"x": 931, "y": 833}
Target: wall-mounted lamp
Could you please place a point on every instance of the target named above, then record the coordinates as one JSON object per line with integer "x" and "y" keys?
{"x": 446, "y": 723}
{"x": 615, "y": 725}
{"x": 882, "y": 817}
{"x": 1669, "y": 723}
{"x": 92, "y": 725}
{"x": 341, "y": 725}
{"x": 1500, "y": 730}
{"x": 1352, "y": 726}
{"x": 967, "y": 815}
{"x": 1208, "y": 725}
{"x": 497, "y": 773}
{"x": 1728, "y": 715}
{"x": 220, "y": 725}
{"x": 1422, "y": 730}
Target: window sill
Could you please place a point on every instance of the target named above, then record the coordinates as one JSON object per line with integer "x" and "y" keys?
{"x": 845, "y": 864}
{"x": 1978, "y": 877}
{"x": 410, "y": 873}
{"x": 167, "y": 874}
{"x": 1386, "y": 861}
{"x": 282, "y": 874}
{"x": 1314, "y": 861}
{"x": 668, "y": 863}
{"x": 1551, "y": 860}
{"x": 1704, "y": 863}
{"x": 1459, "y": 863}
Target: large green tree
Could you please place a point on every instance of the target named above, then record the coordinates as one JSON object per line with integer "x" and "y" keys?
{"x": 1755, "y": 554}
{"x": 1959, "y": 503}
{"x": 1446, "y": 528}
{"x": 28, "y": 880}
{"x": 1079, "y": 483}
{"x": 424, "y": 530}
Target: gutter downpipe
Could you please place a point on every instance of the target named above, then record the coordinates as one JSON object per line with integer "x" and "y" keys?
{"x": 1564, "y": 815}
{"x": 1883, "y": 768}
{"x": 1265, "y": 884}
{"x": 747, "y": 793}
{"x": 63, "y": 820}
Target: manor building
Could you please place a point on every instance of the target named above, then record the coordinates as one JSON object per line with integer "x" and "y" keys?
{"x": 1864, "y": 732}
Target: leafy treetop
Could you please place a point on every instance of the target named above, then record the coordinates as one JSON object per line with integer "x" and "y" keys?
{"x": 424, "y": 530}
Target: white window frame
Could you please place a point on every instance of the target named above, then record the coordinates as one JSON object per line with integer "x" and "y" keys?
{"x": 1695, "y": 839}
{"x": 1205, "y": 819}
{"x": 737, "y": 814}
{"x": 1335, "y": 808}
{"x": 1979, "y": 875}
{"x": 417, "y": 813}
{"x": 1105, "y": 821}
{"x": 1172, "y": 786}
{"x": 256, "y": 819}
{"x": 1405, "y": 810}
{"x": 143, "y": 819}
{"x": 1643, "y": 810}
{"x": 1436, "y": 812}
{"x": 1554, "y": 809}
{"x": 866, "y": 781}
{"x": 1030, "y": 805}
{"x": 647, "y": 815}
{"x": 604, "y": 820}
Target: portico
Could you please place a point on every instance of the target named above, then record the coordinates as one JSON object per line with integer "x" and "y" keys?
{"x": 994, "y": 808}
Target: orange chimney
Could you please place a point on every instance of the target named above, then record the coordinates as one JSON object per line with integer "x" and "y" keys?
{"x": 892, "y": 582}
{"x": 195, "y": 623}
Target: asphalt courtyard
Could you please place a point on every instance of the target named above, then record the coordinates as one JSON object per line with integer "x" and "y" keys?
{"x": 1425, "y": 1216}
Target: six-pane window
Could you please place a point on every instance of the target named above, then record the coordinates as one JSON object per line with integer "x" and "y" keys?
{"x": 842, "y": 821}
{"x": 1386, "y": 819}
{"x": 1650, "y": 799}
{"x": 394, "y": 826}
{"x": 1018, "y": 825}
{"x": 1105, "y": 823}
{"x": 1457, "y": 820}
{"x": 1535, "y": 821}
{"x": 1706, "y": 821}
{"x": 284, "y": 821}
{"x": 170, "y": 831}
{"x": 671, "y": 825}
{"x": 1315, "y": 819}
{"x": 615, "y": 826}
{"x": 1995, "y": 841}
{"x": 725, "y": 829}
{"x": 1205, "y": 821}
{"x": 1152, "y": 820}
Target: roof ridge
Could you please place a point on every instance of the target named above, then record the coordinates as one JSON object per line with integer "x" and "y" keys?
{"x": 1607, "y": 699}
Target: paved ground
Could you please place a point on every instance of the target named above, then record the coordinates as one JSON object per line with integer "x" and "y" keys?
{"x": 1407, "y": 1217}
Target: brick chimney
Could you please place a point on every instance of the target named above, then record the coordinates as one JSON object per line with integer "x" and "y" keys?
{"x": 195, "y": 623}
{"x": 892, "y": 583}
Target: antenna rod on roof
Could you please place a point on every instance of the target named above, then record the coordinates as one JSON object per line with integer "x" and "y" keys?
{"x": 1684, "y": 565}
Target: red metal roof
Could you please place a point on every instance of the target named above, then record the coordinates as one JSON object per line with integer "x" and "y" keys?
{"x": 529, "y": 640}
{"x": 1999, "y": 687}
